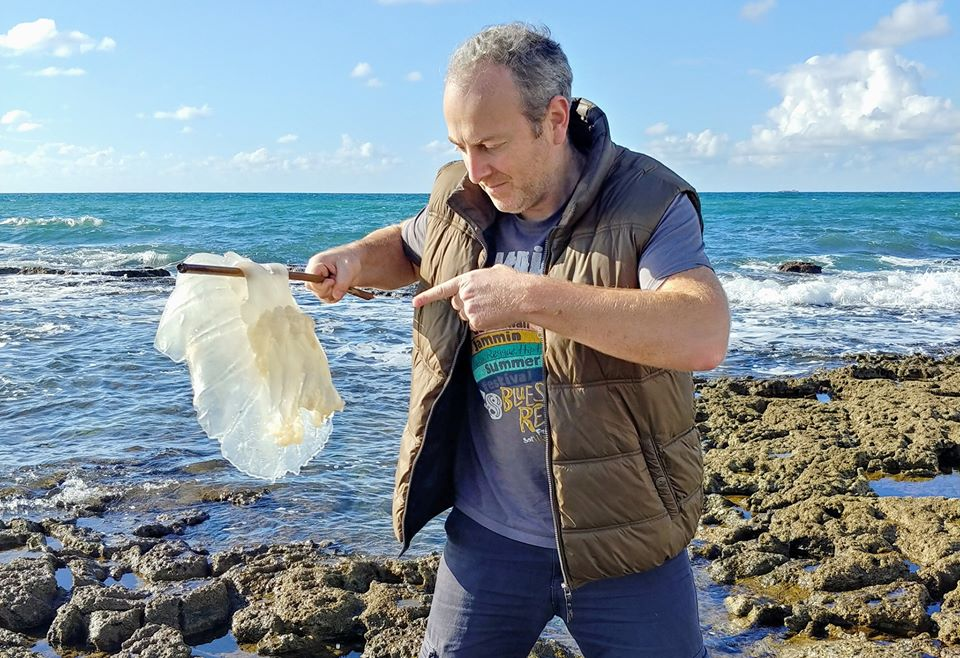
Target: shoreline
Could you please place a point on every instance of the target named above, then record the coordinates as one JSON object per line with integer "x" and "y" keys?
{"x": 793, "y": 525}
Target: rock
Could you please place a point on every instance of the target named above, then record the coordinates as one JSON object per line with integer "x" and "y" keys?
{"x": 172, "y": 561}
{"x": 184, "y": 519}
{"x": 322, "y": 612}
{"x": 163, "y": 609}
{"x": 156, "y": 530}
{"x": 744, "y": 564}
{"x": 759, "y": 611}
{"x": 83, "y": 542}
{"x": 155, "y": 641}
{"x": 69, "y": 628}
{"x": 392, "y": 605}
{"x": 110, "y": 628}
{"x": 86, "y": 572}
{"x": 238, "y": 497}
{"x": 107, "y": 606}
{"x": 12, "y": 539}
{"x": 253, "y": 623}
{"x": 948, "y": 619}
{"x": 804, "y": 465}
{"x": 205, "y": 608}
{"x": 145, "y": 272}
{"x": 552, "y": 649}
{"x": 854, "y": 569}
{"x": 287, "y": 644}
{"x": 396, "y": 642}
{"x": 9, "y": 640}
{"x": 896, "y": 609}
{"x": 139, "y": 273}
{"x": 857, "y": 645}
{"x": 800, "y": 266}
{"x": 168, "y": 524}
{"x": 28, "y": 593}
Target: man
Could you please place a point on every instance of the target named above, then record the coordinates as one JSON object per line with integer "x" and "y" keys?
{"x": 564, "y": 299}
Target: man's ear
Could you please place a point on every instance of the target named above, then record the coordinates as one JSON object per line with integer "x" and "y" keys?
{"x": 557, "y": 119}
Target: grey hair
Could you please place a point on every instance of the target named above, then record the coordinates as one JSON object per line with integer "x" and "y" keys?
{"x": 539, "y": 67}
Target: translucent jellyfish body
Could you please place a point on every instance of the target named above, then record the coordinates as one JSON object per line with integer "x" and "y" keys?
{"x": 261, "y": 381}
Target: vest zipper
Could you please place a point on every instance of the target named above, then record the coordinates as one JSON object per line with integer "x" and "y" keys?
{"x": 551, "y": 484}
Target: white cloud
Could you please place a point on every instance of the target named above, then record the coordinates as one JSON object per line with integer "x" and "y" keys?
{"x": 101, "y": 158}
{"x": 704, "y": 145}
{"x": 910, "y": 21}
{"x": 27, "y": 126}
{"x": 185, "y": 113}
{"x": 657, "y": 129}
{"x": 361, "y": 70}
{"x": 9, "y": 158}
{"x": 186, "y": 130}
{"x": 414, "y": 76}
{"x": 839, "y": 101}
{"x": 257, "y": 158}
{"x": 754, "y": 11}
{"x": 439, "y": 147}
{"x": 14, "y": 116}
{"x": 41, "y": 36}
{"x": 349, "y": 148}
{"x": 53, "y": 72}
{"x": 287, "y": 139}
{"x": 374, "y": 82}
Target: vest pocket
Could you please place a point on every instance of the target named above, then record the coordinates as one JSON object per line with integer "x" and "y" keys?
{"x": 682, "y": 460}
{"x": 653, "y": 453}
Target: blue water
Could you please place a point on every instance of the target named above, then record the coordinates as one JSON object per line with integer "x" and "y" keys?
{"x": 87, "y": 401}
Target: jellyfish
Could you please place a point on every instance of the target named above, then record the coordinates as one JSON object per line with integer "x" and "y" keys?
{"x": 261, "y": 381}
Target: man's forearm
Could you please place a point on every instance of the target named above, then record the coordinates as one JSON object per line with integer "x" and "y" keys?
{"x": 381, "y": 259}
{"x": 684, "y": 326}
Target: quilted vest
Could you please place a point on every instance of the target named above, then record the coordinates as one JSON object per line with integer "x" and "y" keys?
{"x": 623, "y": 457}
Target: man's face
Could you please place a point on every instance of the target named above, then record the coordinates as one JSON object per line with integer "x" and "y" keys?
{"x": 485, "y": 121}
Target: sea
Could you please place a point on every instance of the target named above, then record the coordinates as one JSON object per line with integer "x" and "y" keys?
{"x": 89, "y": 408}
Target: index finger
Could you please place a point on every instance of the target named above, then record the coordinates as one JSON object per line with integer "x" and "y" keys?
{"x": 445, "y": 290}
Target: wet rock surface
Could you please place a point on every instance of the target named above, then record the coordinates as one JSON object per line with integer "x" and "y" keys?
{"x": 792, "y": 521}
{"x": 28, "y": 593}
{"x": 792, "y": 526}
{"x": 800, "y": 266}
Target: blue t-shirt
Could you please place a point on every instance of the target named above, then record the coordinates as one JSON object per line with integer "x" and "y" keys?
{"x": 500, "y": 473}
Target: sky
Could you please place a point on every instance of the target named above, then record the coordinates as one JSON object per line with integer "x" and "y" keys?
{"x": 323, "y": 96}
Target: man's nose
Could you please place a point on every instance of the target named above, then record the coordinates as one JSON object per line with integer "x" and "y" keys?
{"x": 477, "y": 164}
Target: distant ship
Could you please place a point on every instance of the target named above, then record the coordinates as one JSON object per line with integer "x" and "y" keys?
{"x": 788, "y": 191}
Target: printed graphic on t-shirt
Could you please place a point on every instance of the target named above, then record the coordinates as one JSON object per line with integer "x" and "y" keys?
{"x": 522, "y": 261}
{"x": 508, "y": 368}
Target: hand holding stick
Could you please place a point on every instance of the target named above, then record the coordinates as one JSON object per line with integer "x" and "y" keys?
{"x": 193, "y": 268}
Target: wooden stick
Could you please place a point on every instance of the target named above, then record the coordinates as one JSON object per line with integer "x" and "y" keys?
{"x": 193, "y": 268}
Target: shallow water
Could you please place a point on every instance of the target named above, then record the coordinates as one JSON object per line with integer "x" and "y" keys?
{"x": 946, "y": 485}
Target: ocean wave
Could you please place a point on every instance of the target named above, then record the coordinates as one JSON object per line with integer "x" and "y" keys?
{"x": 896, "y": 261}
{"x": 85, "y": 220}
{"x": 881, "y": 290}
{"x": 87, "y": 258}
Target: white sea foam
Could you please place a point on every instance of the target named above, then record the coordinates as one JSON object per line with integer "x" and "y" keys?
{"x": 882, "y": 290}
{"x": 73, "y": 492}
{"x": 94, "y": 258}
{"x": 85, "y": 220}
{"x": 910, "y": 262}
{"x": 392, "y": 356}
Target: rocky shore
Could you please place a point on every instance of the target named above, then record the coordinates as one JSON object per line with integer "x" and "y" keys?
{"x": 793, "y": 526}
